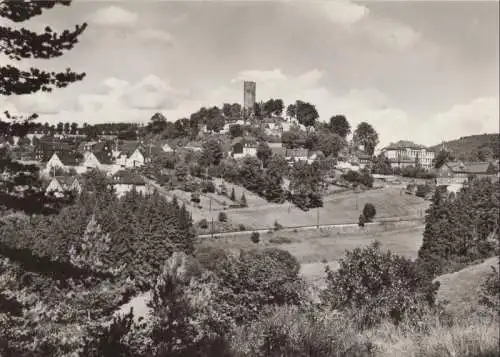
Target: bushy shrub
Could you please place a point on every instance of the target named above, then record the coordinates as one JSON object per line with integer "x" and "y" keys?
{"x": 243, "y": 200}
{"x": 242, "y": 227}
{"x": 222, "y": 217}
{"x": 195, "y": 197}
{"x": 207, "y": 186}
{"x": 361, "y": 220}
{"x": 277, "y": 226}
{"x": 369, "y": 212}
{"x": 490, "y": 290}
{"x": 377, "y": 286}
{"x": 255, "y": 237}
{"x": 203, "y": 224}
{"x": 423, "y": 191}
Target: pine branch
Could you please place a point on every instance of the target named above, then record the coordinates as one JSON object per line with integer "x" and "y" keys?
{"x": 23, "y": 43}
{"x": 22, "y": 10}
{"x": 15, "y": 81}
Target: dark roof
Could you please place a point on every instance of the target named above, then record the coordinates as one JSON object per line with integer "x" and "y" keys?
{"x": 127, "y": 177}
{"x": 276, "y": 150}
{"x": 469, "y": 168}
{"x": 129, "y": 146}
{"x": 404, "y": 144}
{"x": 67, "y": 158}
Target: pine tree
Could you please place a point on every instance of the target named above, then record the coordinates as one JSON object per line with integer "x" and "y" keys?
{"x": 91, "y": 253}
{"x": 243, "y": 200}
{"x": 18, "y": 44}
{"x": 233, "y": 195}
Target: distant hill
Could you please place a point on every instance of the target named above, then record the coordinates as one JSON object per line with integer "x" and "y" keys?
{"x": 473, "y": 148}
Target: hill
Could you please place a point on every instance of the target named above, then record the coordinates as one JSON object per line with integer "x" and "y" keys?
{"x": 461, "y": 289}
{"x": 473, "y": 148}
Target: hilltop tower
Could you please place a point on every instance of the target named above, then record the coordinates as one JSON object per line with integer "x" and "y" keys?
{"x": 249, "y": 95}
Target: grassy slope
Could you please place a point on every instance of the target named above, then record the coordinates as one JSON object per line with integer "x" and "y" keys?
{"x": 462, "y": 288}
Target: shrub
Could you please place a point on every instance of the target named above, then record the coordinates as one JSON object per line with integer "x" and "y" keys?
{"x": 369, "y": 212}
{"x": 277, "y": 226}
{"x": 242, "y": 227}
{"x": 233, "y": 195}
{"x": 375, "y": 286}
{"x": 255, "y": 237}
{"x": 423, "y": 191}
{"x": 490, "y": 290}
{"x": 203, "y": 224}
{"x": 207, "y": 186}
{"x": 222, "y": 217}
{"x": 361, "y": 220}
{"x": 195, "y": 197}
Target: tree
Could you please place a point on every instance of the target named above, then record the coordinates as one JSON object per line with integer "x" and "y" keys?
{"x": 157, "y": 123}
{"x": 66, "y": 128}
{"x": 235, "y": 130}
{"x": 264, "y": 153}
{"x": 339, "y": 125}
{"x": 21, "y": 44}
{"x": 366, "y": 136}
{"x": 381, "y": 165}
{"x": 214, "y": 119}
{"x": 222, "y": 217}
{"x": 278, "y": 165}
{"x": 212, "y": 153}
{"x": 232, "y": 197}
{"x": 369, "y": 212}
{"x": 441, "y": 158}
{"x": 226, "y": 110}
{"x": 375, "y": 285}
{"x": 306, "y": 113}
{"x": 492, "y": 169}
{"x": 243, "y": 200}
{"x": 236, "y": 110}
{"x": 291, "y": 111}
{"x": 74, "y": 128}
{"x": 60, "y": 128}
{"x": 292, "y": 139}
{"x": 329, "y": 143}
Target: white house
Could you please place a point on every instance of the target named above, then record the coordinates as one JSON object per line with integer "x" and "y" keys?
{"x": 60, "y": 184}
{"x": 90, "y": 161}
{"x": 125, "y": 181}
{"x": 135, "y": 160}
{"x": 243, "y": 147}
{"x": 406, "y": 153}
{"x": 54, "y": 163}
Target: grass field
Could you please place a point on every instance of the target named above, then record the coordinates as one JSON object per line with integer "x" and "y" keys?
{"x": 314, "y": 249}
{"x": 461, "y": 289}
{"x": 339, "y": 208}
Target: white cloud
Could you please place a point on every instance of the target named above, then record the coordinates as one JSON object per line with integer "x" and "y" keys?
{"x": 154, "y": 34}
{"x": 260, "y": 76}
{"x": 114, "y": 16}
{"x": 344, "y": 12}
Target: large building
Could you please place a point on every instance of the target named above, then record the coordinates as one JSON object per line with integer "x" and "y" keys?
{"x": 406, "y": 153}
{"x": 249, "y": 94}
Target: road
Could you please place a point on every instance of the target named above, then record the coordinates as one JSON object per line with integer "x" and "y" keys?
{"x": 312, "y": 227}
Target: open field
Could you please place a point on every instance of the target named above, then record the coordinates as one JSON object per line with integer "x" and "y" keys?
{"x": 461, "y": 289}
{"x": 340, "y": 208}
{"x": 314, "y": 249}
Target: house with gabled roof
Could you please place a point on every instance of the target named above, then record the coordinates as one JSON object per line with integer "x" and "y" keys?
{"x": 58, "y": 185}
{"x": 130, "y": 154}
{"x": 125, "y": 181}
{"x": 62, "y": 161}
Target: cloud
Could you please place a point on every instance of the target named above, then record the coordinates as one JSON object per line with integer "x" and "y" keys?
{"x": 114, "y": 16}
{"x": 344, "y": 12}
{"x": 154, "y": 34}
{"x": 260, "y": 76}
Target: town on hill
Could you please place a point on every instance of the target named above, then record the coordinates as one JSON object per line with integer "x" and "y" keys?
{"x": 252, "y": 228}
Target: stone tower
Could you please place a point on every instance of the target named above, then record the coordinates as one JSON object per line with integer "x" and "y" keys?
{"x": 248, "y": 95}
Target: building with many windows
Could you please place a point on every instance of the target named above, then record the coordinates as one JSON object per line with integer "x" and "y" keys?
{"x": 406, "y": 153}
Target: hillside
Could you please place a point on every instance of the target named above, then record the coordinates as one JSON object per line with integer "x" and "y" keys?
{"x": 474, "y": 148}
{"x": 461, "y": 288}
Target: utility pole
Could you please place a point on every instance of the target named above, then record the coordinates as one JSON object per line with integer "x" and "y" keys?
{"x": 317, "y": 218}
{"x": 212, "y": 226}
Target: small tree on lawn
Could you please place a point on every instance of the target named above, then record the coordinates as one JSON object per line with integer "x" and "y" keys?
{"x": 233, "y": 195}
{"x": 255, "y": 237}
{"x": 243, "y": 200}
{"x": 369, "y": 212}
{"x": 222, "y": 217}
{"x": 361, "y": 220}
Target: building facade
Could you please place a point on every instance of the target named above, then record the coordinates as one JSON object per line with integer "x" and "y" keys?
{"x": 407, "y": 153}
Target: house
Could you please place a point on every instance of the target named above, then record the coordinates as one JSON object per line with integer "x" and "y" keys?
{"x": 242, "y": 147}
{"x": 456, "y": 173}
{"x": 60, "y": 184}
{"x": 406, "y": 153}
{"x": 299, "y": 154}
{"x": 62, "y": 161}
{"x": 90, "y": 161}
{"x": 125, "y": 181}
{"x": 130, "y": 154}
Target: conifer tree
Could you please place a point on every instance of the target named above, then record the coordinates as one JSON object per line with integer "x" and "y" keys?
{"x": 233, "y": 195}
{"x": 243, "y": 200}
{"x": 18, "y": 44}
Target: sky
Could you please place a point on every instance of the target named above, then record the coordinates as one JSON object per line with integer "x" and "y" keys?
{"x": 424, "y": 71}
